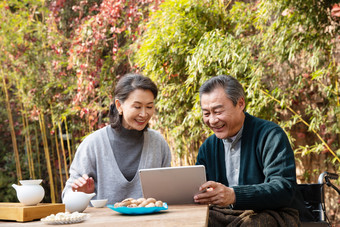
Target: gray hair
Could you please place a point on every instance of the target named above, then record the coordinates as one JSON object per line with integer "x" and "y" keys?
{"x": 232, "y": 87}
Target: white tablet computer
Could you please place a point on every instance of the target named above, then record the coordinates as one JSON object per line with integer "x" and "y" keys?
{"x": 173, "y": 185}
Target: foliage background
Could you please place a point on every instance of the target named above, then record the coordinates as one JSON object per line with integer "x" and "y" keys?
{"x": 60, "y": 61}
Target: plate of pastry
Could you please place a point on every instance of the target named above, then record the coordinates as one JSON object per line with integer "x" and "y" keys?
{"x": 139, "y": 206}
{"x": 64, "y": 218}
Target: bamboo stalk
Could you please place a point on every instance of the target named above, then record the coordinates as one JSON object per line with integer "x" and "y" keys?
{"x": 10, "y": 119}
{"x": 338, "y": 98}
{"x": 72, "y": 141}
{"x": 59, "y": 161}
{"x": 38, "y": 150}
{"x": 26, "y": 132}
{"x": 26, "y": 143}
{"x": 58, "y": 153}
{"x": 337, "y": 91}
{"x": 72, "y": 146}
{"x": 63, "y": 149}
{"x": 47, "y": 155}
{"x": 89, "y": 121}
{"x": 54, "y": 170}
{"x": 29, "y": 144}
{"x": 68, "y": 141}
{"x": 303, "y": 121}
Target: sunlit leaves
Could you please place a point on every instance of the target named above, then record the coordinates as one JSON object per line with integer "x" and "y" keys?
{"x": 284, "y": 57}
{"x": 168, "y": 50}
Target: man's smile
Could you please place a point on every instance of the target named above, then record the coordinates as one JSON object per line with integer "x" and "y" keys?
{"x": 218, "y": 127}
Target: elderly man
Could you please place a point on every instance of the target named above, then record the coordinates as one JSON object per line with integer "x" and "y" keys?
{"x": 249, "y": 162}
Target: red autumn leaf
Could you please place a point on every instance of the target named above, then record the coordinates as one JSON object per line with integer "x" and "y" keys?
{"x": 335, "y": 12}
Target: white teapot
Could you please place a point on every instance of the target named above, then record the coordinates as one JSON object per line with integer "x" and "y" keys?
{"x": 77, "y": 201}
{"x": 30, "y": 192}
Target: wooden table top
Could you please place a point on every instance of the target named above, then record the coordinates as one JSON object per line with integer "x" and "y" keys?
{"x": 176, "y": 215}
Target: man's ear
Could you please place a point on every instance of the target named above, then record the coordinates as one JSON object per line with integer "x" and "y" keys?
{"x": 241, "y": 103}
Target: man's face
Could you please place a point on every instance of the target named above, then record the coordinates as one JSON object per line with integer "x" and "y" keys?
{"x": 220, "y": 114}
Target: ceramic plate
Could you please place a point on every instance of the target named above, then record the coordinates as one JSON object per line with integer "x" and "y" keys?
{"x": 65, "y": 218}
{"x": 138, "y": 210}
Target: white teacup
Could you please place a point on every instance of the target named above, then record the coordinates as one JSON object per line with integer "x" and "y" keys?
{"x": 98, "y": 202}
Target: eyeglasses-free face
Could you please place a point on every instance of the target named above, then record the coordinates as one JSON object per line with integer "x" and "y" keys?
{"x": 137, "y": 109}
{"x": 220, "y": 115}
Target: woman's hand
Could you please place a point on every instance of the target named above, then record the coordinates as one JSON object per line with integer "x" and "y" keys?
{"x": 83, "y": 184}
{"x": 215, "y": 193}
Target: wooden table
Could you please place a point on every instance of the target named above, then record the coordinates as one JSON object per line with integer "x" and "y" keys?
{"x": 176, "y": 215}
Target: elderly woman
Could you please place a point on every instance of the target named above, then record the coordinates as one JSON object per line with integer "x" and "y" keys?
{"x": 108, "y": 160}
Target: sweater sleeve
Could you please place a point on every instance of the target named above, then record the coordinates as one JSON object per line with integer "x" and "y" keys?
{"x": 166, "y": 162}
{"x": 160, "y": 148}
{"x": 211, "y": 155}
{"x": 201, "y": 156}
{"x": 84, "y": 162}
{"x": 276, "y": 159}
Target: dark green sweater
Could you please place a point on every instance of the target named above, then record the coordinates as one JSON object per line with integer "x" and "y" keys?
{"x": 267, "y": 178}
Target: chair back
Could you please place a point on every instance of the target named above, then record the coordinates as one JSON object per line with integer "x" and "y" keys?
{"x": 312, "y": 196}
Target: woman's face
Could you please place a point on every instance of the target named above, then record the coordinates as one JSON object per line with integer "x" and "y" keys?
{"x": 137, "y": 109}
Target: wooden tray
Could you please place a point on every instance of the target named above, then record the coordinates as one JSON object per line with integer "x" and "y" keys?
{"x": 19, "y": 212}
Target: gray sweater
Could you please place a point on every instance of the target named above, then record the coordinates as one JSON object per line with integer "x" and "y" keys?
{"x": 95, "y": 158}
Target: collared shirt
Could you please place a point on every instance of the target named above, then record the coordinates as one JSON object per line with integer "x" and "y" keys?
{"x": 232, "y": 147}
